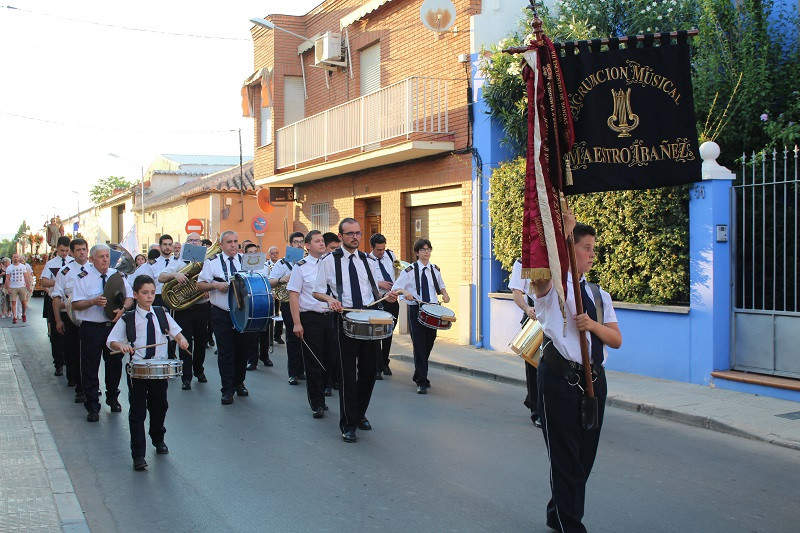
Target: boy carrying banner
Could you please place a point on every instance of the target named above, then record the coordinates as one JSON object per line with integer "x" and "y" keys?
{"x": 146, "y": 325}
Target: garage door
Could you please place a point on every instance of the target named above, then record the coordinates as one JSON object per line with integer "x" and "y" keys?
{"x": 441, "y": 224}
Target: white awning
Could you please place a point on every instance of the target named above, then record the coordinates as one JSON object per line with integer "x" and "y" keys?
{"x": 361, "y": 12}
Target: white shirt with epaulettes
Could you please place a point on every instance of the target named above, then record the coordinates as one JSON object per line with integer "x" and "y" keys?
{"x": 89, "y": 285}
{"x": 408, "y": 281}
{"x": 302, "y": 280}
{"x": 213, "y": 272}
{"x": 119, "y": 333}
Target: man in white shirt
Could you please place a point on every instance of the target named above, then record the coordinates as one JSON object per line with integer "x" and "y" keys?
{"x": 64, "y": 285}
{"x": 48, "y": 281}
{"x": 279, "y": 274}
{"x": 19, "y": 285}
{"x": 163, "y": 261}
{"x": 313, "y": 325}
{"x": 89, "y": 304}
{"x": 232, "y": 347}
{"x": 351, "y": 285}
{"x": 385, "y": 259}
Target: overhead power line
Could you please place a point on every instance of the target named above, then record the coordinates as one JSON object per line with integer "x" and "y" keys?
{"x": 121, "y": 130}
{"x": 128, "y": 28}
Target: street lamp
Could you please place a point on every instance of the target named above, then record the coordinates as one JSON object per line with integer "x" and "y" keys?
{"x": 264, "y": 23}
{"x": 134, "y": 162}
{"x": 78, "y": 216}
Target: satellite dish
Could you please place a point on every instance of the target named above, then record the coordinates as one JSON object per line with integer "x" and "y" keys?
{"x": 437, "y": 15}
{"x": 262, "y": 199}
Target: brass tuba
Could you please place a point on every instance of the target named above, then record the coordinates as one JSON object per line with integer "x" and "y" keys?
{"x": 181, "y": 296}
{"x": 399, "y": 266}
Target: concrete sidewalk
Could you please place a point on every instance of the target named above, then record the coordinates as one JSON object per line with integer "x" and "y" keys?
{"x": 37, "y": 494}
{"x": 746, "y": 415}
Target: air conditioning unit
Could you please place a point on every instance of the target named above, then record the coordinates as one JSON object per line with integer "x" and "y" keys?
{"x": 328, "y": 50}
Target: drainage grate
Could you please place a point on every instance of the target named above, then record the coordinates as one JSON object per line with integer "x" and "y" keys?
{"x": 791, "y": 416}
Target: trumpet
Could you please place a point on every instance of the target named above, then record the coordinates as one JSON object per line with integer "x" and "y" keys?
{"x": 181, "y": 296}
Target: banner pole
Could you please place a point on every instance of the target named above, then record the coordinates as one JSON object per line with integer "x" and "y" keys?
{"x": 576, "y": 291}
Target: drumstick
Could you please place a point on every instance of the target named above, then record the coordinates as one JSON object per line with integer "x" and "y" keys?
{"x": 117, "y": 352}
{"x": 377, "y": 301}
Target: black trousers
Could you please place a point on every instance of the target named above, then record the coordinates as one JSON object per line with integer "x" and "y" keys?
{"x": 532, "y": 399}
{"x": 194, "y": 324}
{"x": 319, "y": 350}
{"x": 72, "y": 352}
{"x": 260, "y": 345}
{"x": 232, "y": 350}
{"x": 146, "y": 395}
{"x": 422, "y": 339}
{"x": 294, "y": 353}
{"x": 279, "y": 323}
{"x": 571, "y": 448}
{"x": 93, "y": 346}
{"x": 56, "y": 338}
{"x": 357, "y": 362}
{"x": 386, "y": 344}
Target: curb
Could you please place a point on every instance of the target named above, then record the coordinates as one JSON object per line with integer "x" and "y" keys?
{"x": 621, "y": 402}
{"x": 70, "y": 513}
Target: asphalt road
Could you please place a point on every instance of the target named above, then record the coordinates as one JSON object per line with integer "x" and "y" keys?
{"x": 465, "y": 457}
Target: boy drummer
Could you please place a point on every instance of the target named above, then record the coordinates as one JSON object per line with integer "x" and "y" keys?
{"x": 146, "y": 394}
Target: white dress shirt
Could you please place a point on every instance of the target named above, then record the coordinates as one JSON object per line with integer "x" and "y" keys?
{"x": 304, "y": 276}
{"x": 548, "y": 312}
{"x": 65, "y": 279}
{"x": 89, "y": 285}
{"x": 518, "y": 282}
{"x": 280, "y": 269}
{"x": 388, "y": 264}
{"x": 326, "y": 276}
{"x": 212, "y": 268}
{"x": 119, "y": 333}
{"x": 408, "y": 281}
{"x": 158, "y": 267}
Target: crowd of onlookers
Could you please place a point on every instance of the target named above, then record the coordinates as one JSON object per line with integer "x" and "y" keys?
{"x": 16, "y": 287}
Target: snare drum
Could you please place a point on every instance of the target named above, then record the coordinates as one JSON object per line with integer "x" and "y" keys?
{"x": 155, "y": 369}
{"x": 250, "y": 301}
{"x": 436, "y": 316}
{"x": 369, "y": 325}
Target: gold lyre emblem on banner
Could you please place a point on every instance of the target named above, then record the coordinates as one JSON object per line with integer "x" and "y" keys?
{"x": 622, "y": 120}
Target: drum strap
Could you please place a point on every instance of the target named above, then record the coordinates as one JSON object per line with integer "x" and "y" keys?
{"x": 433, "y": 276}
{"x": 598, "y": 301}
{"x": 130, "y": 322}
{"x": 338, "y": 254}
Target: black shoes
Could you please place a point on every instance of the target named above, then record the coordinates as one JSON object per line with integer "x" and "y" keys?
{"x": 537, "y": 420}
{"x": 267, "y": 361}
{"x": 59, "y": 371}
{"x": 139, "y": 463}
{"x": 387, "y": 371}
{"x": 93, "y": 417}
{"x": 80, "y": 397}
{"x": 251, "y": 366}
{"x": 364, "y": 424}
{"x": 241, "y": 390}
{"x": 186, "y": 385}
{"x": 161, "y": 448}
{"x": 379, "y": 375}
{"x": 422, "y": 389}
{"x": 227, "y": 398}
{"x": 292, "y": 380}
{"x": 279, "y": 340}
{"x": 327, "y": 391}
{"x": 115, "y": 406}
{"x": 302, "y": 377}
{"x": 319, "y": 412}
{"x": 349, "y": 436}
{"x": 202, "y": 378}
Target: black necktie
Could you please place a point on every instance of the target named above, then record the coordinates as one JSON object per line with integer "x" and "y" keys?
{"x": 103, "y": 276}
{"x": 151, "y": 337}
{"x": 233, "y": 267}
{"x": 63, "y": 262}
{"x": 591, "y": 310}
{"x": 355, "y": 288}
{"x": 386, "y": 275}
{"x": 426, "y": 293}
{"x": 83, "y": 269}
{"x": 166, "y": 263}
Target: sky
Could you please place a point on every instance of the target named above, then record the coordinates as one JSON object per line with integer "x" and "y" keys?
{"x": 89, "y": 87}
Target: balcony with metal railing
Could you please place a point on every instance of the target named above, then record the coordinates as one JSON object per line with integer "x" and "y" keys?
{"x": 402, "y": 121}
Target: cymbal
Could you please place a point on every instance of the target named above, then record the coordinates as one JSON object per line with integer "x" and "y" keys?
{"x": 114, "y": 293}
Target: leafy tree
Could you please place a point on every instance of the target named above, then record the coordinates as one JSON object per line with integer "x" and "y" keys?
{"x": 8, "y": 247}
{"x": 105, "y": 187}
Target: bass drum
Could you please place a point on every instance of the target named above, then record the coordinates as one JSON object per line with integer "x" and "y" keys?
{"x": 250, "y": 301}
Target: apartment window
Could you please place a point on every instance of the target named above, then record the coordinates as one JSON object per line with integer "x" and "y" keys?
{"x": 294, "y": 100}
{"x": 370, "y": 68}
{"x": 265, "y": 126}
{"x": 320, "y": 217}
